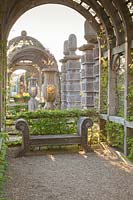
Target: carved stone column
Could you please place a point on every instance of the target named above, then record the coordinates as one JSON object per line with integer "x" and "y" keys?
{"x": 63, "y": 76}
{"x": 88, "y": 69}
{"x": 73, "y": 75}
{"x": 96, "y": 76}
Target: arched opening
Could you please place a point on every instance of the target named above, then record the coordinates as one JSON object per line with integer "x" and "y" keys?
{"x": 107, "y": 67}
{"x": 27, "y": 53}
{"x": 115, "y": 36}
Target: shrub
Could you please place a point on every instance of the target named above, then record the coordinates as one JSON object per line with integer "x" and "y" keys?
{"x": 3, "y": 161}
{"x": 55, "y": 121}
{"x": 115, "y": 134}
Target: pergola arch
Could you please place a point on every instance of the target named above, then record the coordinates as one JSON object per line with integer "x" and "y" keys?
{"x": 113, "y": 22}
{"x": 33, "y": 54}
{"x": 25, "y": 52}
{"x": 126, "y": 16}
{"x": 28, "y": 48}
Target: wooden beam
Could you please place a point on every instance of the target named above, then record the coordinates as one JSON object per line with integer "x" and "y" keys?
{"x": 116, "y": 50}
{"x": 119, "y": 120}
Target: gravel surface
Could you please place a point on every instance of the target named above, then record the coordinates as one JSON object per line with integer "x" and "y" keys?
{"x": 68, "y": 176}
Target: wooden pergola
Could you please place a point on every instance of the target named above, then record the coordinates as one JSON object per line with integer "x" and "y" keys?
{"x": 113, "y": 23}
{"x": 26, "y": 52}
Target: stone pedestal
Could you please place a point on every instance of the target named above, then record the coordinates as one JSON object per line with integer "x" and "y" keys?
{"x": 88, "y": 69}
{"x": 73, "y": 82}
{"x": 70, "y": 75}
{"x": 49, "y": 88}
{"x": 63, "y": 76}
{"x": 32, "y": 103}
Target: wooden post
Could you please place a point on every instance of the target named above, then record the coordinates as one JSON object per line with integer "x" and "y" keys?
{"x": 111, "y": 86}
{"x": 127, "y": 80}
{"x": 3, "y": 74}
{"x": 0, "y": 81}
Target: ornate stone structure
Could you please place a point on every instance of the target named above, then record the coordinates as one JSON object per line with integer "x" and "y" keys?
{"x": 49, "y": 87}
{"x": 63, "y": 76}
{"x": 70, "y": 80}
{"x": 26, "y": 52}
{"x": 32, "y": 103}
{"x": 89, "y": 69}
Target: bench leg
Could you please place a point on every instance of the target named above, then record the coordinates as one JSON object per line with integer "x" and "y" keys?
{"x": 23, "y": 151}
{"x": 87, "y": 148}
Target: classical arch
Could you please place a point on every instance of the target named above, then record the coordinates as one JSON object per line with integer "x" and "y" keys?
{"x": 25, "y": 47}
{"x": 26, "y": 52}
{"x": 113, "y": 23}
{"x": 113, "y": 16}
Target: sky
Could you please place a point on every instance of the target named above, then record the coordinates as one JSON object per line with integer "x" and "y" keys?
{"x": 51, "y": 24}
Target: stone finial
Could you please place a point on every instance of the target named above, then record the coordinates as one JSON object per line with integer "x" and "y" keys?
{"x": 23, "y": 33}
{"x": 66, "y": 48}
{"x": 90, "y": 33}
{"x": 72, "y": 43}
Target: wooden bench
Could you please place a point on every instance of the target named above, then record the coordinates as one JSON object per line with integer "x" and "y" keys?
{"x": 81, "y": 137}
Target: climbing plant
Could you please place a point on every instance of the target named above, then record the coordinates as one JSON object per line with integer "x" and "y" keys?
{"x": 53, "y": 121}
{"x": 130, "y": 147}
{"x": 115, "y": 137}
{"x": 130, "y": 92}
{"x": 104, "y": 85}
{"x": 120, "y": 70}
{"x": 115, "y": 134}
{"x": 3, "y": 161}
{"x": 130, "y": 98}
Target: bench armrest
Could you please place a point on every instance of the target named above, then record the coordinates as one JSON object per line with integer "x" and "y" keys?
{"x": 22, "y": 126}
{"x": 83, "y": 124}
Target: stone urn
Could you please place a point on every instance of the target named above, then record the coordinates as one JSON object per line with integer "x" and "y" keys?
{"x": 32, "y": 103}
{"x": 49, "y": 88}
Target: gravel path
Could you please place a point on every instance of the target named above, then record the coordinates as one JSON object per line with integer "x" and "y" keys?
{"x": 69, "y": 177}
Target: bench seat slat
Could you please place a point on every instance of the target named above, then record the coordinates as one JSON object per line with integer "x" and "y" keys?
{"x": 55, "y": 139}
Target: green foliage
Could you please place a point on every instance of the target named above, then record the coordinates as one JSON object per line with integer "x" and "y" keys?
{"x": 115, "y": 134}
{"x": 54, "y": 121}
{"x": 58, "y": 113}
{"x": 130, "y": 148}
{"x": 14, "y": 143}
{"x": 115, "y": 137}
{"x": 1, "y": 78}
{"x": 130, "y": 92}
{"x": 53, "y": 126}
{"x": 104, "y": 84}
{"x": 95, "y": 135}
{"x": 119, "y": 96}
{"x": 14, "y": 110}
{"x": 3, "y": 161}
{"x": 130, "y": 100}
